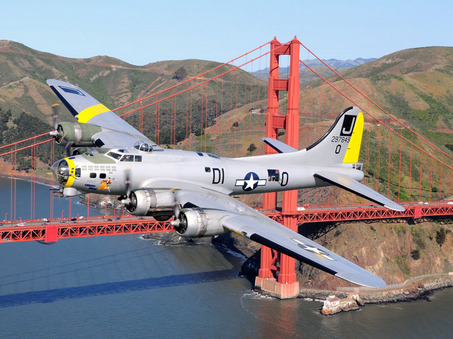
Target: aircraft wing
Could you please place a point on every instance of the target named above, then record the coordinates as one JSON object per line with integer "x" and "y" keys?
{"x": 244, "y": 220}
{"x": 86, "y": 109}
{"x": 356, "y": 187}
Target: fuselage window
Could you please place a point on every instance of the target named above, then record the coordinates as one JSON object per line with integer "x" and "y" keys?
{"x": 200, "y": 154}
{"x": 78, "y": 172}
{"x": 102, "y": 175}
{"x": 114, "y": 155}
{"x": 92, "y": 175}
{"x": 138, "y": 158}
{"x": 127, "y": 158}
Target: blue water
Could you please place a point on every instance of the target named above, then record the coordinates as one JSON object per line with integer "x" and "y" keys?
{"x": 127, "y": 287}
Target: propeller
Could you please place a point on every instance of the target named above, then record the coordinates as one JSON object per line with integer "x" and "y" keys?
{"x": 55, "y": 115}
{"x": 58, "y": 132}
{"x": 176, "y": 208}
{"x": 176, "y": 204}
{"x": 126, "y": 200}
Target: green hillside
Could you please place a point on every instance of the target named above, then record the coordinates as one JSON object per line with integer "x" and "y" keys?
{"x": 24, "y": 72}
{"x": 415, "y": 85}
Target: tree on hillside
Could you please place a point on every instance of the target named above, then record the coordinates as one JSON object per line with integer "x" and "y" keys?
{"x": 440, "y": 236}
{"x": 26, "y": 126}
{"x": 251, "y": 148}
{"x": 4, "y": 118}
{"x": 180, "y": 74}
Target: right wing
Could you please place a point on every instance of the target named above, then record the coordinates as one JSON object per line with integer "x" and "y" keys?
{"x": 244, "y": 220}
{"x": 116, "y": 132}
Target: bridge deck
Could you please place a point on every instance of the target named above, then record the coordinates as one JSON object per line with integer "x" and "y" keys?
{"x": 49, "y": 231}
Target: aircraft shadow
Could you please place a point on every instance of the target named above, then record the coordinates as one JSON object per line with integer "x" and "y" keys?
{"x": 52, "y": 295}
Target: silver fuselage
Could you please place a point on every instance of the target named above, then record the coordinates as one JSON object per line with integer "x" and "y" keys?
{"x": 102, "y": 173}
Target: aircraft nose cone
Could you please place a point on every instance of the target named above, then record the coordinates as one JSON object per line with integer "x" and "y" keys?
{"x": 60, "y": 171}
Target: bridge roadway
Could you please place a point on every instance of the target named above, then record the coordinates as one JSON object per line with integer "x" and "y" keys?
{"x": 50, "y": 231}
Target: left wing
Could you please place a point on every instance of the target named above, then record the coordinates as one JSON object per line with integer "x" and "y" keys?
{"x": 242, "y": 219}
{"x": 87, "y": 110}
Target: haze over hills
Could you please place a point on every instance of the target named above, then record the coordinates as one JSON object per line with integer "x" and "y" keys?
{"x": 306, "y": 75}
{"x": 335, "y": 63}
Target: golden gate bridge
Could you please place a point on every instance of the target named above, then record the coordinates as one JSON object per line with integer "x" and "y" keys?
{"x": 226, "y": 110}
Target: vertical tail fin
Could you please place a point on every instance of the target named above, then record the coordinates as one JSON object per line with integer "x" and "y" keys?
{"x": 341, "y": 143}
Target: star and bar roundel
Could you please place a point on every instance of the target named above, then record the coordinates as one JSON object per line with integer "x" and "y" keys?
{"x": 250, "y": 182}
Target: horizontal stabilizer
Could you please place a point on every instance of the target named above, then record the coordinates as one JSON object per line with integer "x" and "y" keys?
{"x": 279, "y": 146}
{"x": 354, "y": 186}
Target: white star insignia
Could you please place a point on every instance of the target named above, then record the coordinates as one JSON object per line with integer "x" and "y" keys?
{"x": 314, "y": 250}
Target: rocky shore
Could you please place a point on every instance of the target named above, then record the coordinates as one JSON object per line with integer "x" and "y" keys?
{"x": 417, "y": 288}
{"x": 351, "y": 297}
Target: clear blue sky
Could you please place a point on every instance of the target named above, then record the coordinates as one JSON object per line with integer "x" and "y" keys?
{"x": 140, "y": 32}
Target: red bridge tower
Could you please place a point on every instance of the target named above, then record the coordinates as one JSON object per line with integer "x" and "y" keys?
{"x": 286, "y": 285}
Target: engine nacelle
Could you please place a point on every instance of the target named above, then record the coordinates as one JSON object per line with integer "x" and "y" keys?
{"x": 150, "y": 202}
{"x": 77, "y": 134}
{"x": 196, "y": 223}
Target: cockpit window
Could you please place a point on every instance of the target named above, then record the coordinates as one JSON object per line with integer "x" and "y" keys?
{"x": 127, "y": 158}
{"x": 114, "y": 155}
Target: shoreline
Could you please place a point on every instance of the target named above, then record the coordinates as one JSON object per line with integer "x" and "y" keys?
{"x": 350, "y": 299}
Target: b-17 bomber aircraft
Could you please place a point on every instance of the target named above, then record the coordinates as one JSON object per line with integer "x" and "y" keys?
{"x": 111, "y": 157}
